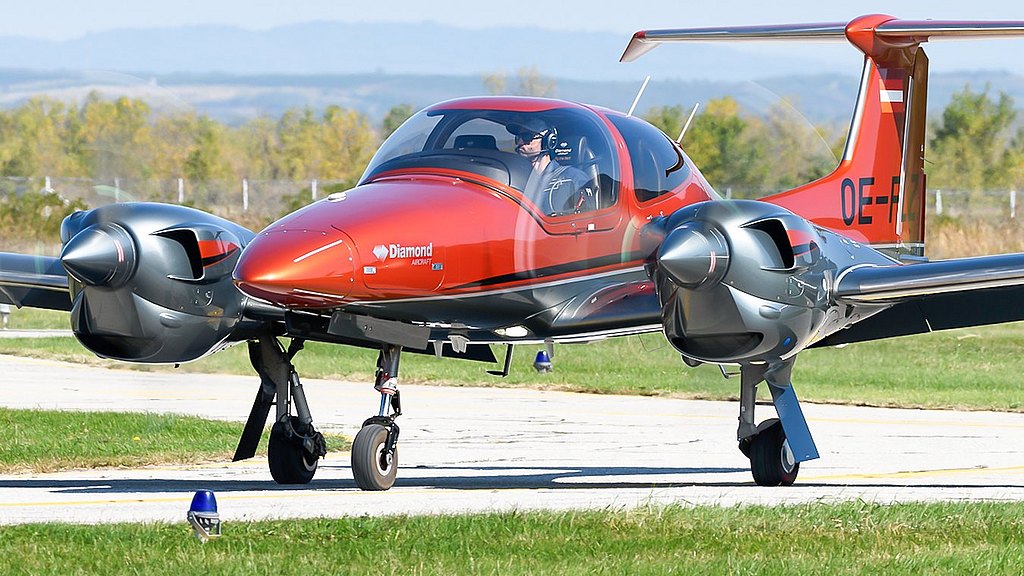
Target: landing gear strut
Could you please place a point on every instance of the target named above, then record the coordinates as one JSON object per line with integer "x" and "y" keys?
{"x": 375, "y": 449}
{"x": 778, "y": 445}
{"x": 295, "y": 446}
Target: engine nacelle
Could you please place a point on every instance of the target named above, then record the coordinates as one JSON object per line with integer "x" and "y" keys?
{"x": 740, "y": 281}
{"x": 152, "y": 282}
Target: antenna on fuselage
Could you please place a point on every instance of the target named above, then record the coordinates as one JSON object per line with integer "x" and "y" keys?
{"x": 638, "y": 95}
{"x": 687, "y": 125}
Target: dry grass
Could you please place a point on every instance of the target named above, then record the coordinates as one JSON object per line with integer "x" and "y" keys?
{"x": 947, "y": 237}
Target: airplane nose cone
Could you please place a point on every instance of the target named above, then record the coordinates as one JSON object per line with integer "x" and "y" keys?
{"x": 694, "y": 256}
{"x": 297, "y": 268}
{"x": 100, "y": 255}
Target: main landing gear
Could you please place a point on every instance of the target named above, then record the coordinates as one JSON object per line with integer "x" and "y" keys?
{"x": 295, "y": 446}
{"x": 777, "y": 446}
{"x": 375, "y": 449}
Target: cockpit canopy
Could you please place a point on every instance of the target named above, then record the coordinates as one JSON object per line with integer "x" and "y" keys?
{"x": 469, "y": 136}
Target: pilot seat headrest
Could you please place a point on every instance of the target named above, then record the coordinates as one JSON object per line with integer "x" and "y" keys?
{"x": 478, "y": 141}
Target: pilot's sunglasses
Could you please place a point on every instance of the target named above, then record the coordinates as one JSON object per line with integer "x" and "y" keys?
{"x": 526, "y": 138}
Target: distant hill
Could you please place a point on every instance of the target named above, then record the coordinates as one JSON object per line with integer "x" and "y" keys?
{"x": 425, "y": 48}
{"x": 429, "y": 48}
{"x": 822, "y": 98}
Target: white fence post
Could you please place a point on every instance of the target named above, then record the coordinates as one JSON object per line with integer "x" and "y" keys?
{"x": 728, "y": 193}
{"x": 181, "y": 190}
{"x": 117, "y": 189}
{"x": 313, "y": 189}
{"x": 245, "y": 194}
{"x": 938, "y": 202}
{"x": 1013, "y": 203}
{"x": 47, "y": 187}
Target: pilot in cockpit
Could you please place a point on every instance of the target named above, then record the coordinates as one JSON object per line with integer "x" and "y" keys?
{"x": 555, "y": 187}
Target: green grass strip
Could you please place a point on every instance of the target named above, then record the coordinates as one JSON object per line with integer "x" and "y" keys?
{"x": 850, "y": 538}
{"x": 45, "y": 441}
{"x": 972, "y": 369}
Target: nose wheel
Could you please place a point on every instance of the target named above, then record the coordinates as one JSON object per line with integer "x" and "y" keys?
{"x": 375, "y": 448}
{"x": 375, "y": 455}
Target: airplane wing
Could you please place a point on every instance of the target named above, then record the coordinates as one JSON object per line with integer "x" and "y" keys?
{"x": 932, "y": 296}
{"x": 34, "y": 281}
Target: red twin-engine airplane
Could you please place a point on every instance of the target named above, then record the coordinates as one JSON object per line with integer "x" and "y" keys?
{"x": 520, "y": 220}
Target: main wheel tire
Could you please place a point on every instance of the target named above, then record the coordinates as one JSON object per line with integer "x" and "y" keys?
{"x": 371, "y": 466}
{"x": 290, "y": 463}
{"x": 771, "y": 460}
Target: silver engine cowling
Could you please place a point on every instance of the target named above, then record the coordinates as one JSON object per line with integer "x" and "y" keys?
{"x": 740, "y": 281}
{"x": 152, "y": 282}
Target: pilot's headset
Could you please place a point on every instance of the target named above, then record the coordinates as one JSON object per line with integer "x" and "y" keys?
{"x": 549, "y": 134}
{"x": 550, "y": 141}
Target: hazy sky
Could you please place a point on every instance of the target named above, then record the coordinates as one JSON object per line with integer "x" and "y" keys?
{"x": 65, "y": 19}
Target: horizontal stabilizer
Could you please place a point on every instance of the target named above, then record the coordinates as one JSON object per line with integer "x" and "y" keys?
{"x": 881, "y": 284}
{"x": 34, "y": 281}
{"x": 891, "y": 31}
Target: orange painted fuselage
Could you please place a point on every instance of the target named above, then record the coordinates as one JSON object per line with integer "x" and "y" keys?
{"x": 432, "y": 243}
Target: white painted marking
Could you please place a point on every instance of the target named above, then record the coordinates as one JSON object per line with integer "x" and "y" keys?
{"x": 318, "y": 250}
{"x": 890, "y": 95}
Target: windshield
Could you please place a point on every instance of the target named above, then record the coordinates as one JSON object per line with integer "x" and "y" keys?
{"x": 561, "y": 158}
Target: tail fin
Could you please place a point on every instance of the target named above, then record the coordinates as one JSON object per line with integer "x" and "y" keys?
{"x": 877, "y": 193}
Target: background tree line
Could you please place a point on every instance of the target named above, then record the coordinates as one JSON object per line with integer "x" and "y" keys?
{"x": 123, "y": 138}
{"x": 972, "y": 144}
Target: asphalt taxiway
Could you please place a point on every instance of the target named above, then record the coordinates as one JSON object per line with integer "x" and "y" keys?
{"x": 467, "y": 449}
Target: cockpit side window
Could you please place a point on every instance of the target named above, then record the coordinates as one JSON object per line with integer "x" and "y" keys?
{"x": 659, "y": 165}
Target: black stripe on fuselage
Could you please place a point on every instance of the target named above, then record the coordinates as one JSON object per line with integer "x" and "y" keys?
{"x": 577, "y": 266}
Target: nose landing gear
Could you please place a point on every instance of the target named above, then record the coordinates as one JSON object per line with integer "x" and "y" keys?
{"x": 375, "y": 449}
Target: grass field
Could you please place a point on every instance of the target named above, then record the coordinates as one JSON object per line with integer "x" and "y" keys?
{"x": 850, "y": 538}
{"x": 44, "y": 441}
{"x": 975, "y": 369}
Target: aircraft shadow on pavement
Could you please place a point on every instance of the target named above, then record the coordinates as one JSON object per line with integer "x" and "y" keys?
{"x": 458, "y": 478}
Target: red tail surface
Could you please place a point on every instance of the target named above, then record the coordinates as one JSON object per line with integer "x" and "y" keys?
{"x": 876, "y": 195}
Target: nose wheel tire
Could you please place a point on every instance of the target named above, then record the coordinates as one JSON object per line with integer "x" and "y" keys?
{"x": 290, "y": 462}
{"x": 372, "y": 467}
{"x": 771, "y": 459}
